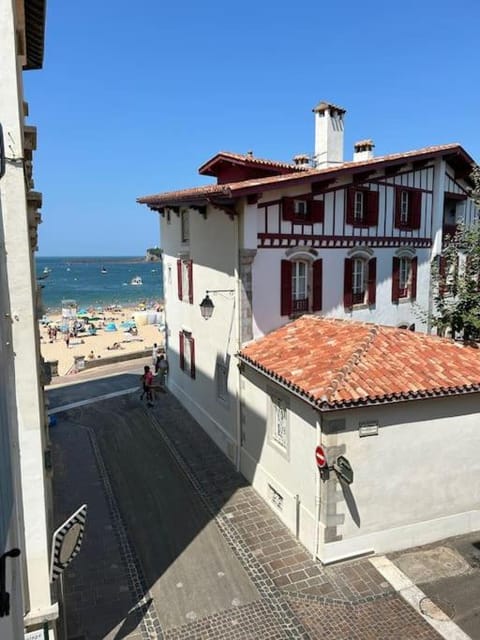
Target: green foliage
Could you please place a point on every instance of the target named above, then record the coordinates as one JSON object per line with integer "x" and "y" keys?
{"x": 155, "y": 251}
{"x": 456, "y": 279}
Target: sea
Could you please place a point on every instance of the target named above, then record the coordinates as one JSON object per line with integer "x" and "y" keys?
{"x": 99, "y": 281}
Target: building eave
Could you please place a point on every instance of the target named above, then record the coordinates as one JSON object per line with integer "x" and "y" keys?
{"x": 35, "y": 12}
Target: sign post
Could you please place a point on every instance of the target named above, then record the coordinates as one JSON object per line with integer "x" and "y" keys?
{"x": 344, "y": 469}
{"x": 320, "y": 457}
{"x": 66, "y": 543}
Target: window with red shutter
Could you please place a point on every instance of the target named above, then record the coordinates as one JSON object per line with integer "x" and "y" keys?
{"x": 347, "y": 283}
{"x": 288, "y": 208}
{"x": 286, "y": 288}
{"x": 181, "y": 337}
{"x": 372, "y": 208}
{"x": 317, "y": 211}
{"x": 189, "y": 267}
{"x": 192, "y": 357}
{"x": 180, "y": 279}
{"x": 349, "y": 205}
{"x": 395, "y": 279}
{"x": 415, "y": 209}
{"x": 413, "y": 282}
{"x": 372, "y": 281}
{"x": 408, "y": 208}
{"x": 317, "y": 285}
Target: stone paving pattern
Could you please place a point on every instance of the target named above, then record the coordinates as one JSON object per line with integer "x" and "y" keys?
{"x": 299, "y": 598}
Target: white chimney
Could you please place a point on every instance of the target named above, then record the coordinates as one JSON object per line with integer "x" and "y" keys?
{"x": 328, "y": 135}
{"x": 363, "y": 150}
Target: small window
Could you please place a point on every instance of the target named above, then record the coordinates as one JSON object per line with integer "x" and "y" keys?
{"x": 404, "y": 277}
{"x": 358, "y": 206}
{"x": 185, "y": 280}
{"x": 300, "y": 207}
{"x": 185, "y": 229}
{"x": 359, "y": 281}
{"x": 187, "y": 353}
{"x": 404, "y": 207}
{"x": 280, "y": 422}
{"x": 300, "y": 286}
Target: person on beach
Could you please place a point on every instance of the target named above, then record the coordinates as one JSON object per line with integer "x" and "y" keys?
{"x": 67, "y": 339}
{"x": 154, "y": 353}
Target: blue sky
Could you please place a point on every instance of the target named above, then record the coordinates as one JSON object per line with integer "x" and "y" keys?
{"x": 134, "y": 97}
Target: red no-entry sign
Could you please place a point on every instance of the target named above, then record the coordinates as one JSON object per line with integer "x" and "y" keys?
{"x": 320, "y": 457}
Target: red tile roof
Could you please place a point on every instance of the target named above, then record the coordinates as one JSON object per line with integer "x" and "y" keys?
{"x": 237, "y": 189}
{"x": 337, "y": 364}
{"x": 247, "y": 159}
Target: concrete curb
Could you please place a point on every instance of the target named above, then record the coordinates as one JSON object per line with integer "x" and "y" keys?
{"x": 415, "y": 597}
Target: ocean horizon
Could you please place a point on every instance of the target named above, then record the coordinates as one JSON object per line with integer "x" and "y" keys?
{"x": 99, "y": 281}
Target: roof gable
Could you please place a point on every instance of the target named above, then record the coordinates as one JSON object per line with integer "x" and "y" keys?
{"x": 337, "y": 364}
{"x": 235, "y": 167}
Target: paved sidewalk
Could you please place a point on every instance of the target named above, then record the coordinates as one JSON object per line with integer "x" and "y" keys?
{"x": 111, "y": 590}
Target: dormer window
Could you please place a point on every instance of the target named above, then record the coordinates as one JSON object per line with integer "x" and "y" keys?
{"x": 302, "y": 210}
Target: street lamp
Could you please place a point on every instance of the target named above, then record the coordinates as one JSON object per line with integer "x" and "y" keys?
{"x": 207, "y": 306}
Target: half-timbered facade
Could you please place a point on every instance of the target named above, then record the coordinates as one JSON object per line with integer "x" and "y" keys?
{"x": 271, "y": 241}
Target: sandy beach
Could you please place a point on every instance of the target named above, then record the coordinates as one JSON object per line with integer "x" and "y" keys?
{"x": 102, "y": 343}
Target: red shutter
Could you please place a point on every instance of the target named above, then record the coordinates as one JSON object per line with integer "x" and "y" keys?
{"x": 192, "y": 357}
{"x": 317, "y": 210}
{"x": 288, "y": 209}
{"x": 397, "y": 204}
{"x": 372, "y": 280}
{"x": 179, "y": 279}
{"x": 286, "y": 288}
{"x": 414, "y": 209}
{"x": 190, "y": 281}
{"x": 181, "y": 351}
{"x": 396, "y": 280}
{"x": 347, "y": 283}
{"x": 349, "y": 204}
{"x": 413, "y": 286}
{"x": 372, "y": 208}
{"x": 317, "y": 285}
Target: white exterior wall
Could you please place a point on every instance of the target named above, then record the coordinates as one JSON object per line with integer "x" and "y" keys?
{"x": 266, "y": 291}
{"x": 22, "y": 287}
{"x": 414, "y": 483}
{"x": 212, "y": 249}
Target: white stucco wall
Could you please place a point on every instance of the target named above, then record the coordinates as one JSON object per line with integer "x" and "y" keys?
{"x": 212, "y": 249}
{"x": 414, "y": 482}
{"x": 22, "y": 286}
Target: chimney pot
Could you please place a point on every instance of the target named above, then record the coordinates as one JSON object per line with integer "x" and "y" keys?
{"x": 328, "y": 134}
{"x": 363, "y": 150}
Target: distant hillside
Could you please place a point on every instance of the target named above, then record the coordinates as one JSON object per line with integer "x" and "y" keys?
{"x": 154, "y": 255}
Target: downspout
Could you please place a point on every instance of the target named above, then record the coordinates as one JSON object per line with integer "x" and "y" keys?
{"x": 238, "y": 395}
{"x": 318, "y": 428}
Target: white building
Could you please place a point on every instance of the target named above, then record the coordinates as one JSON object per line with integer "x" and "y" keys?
{"x": 25, "y": 511}
{"x": 401, "y": 407}
{"x": 271, "y": 241}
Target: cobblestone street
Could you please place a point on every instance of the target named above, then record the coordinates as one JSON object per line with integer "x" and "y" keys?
{"x": 160, "y": 496}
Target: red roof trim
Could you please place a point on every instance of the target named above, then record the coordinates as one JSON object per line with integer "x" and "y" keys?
{"x": 245, "y": 160}
{"x": 308, "y": 176}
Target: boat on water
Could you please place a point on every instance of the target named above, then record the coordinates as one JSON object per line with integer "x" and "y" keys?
{"x": 46, "y": 270}
{"x": 103, "y": 270}
{"x": 137, "y": 281}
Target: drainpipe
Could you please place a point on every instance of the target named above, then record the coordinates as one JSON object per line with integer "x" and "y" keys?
{"x": 238, "y": 404}
{"x": 317, "y": 491}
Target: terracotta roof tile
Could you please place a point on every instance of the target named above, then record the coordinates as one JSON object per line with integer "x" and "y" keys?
{"x": 250, "y": 159}
{"x": 337, "y": 363}
{"x": 236, "y": 189}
